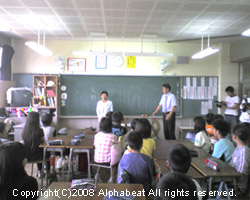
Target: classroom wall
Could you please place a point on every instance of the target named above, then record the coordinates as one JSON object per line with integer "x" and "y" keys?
{"x": 228, "y": 72}
{"x": 27, "y": 61}
{"x": 240, "y": 50}
{"x": 5, "y": 39}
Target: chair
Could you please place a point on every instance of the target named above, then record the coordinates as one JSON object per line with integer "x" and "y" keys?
{"x": 103, "y": 165}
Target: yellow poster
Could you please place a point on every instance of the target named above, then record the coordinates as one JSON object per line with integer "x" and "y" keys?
{"x": 131, "y": 62}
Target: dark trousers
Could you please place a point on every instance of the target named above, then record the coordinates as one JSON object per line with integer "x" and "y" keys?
{"x": 169, "y": 126}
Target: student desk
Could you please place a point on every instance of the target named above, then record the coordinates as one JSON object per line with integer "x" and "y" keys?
{"x": 198, "y": 163}
{"x": 64, "y": 193}
{"x": 163, "y": 146}
{"x": 85, "y": 145}
{"x": 163, "y": 169}
{"x": 227, "y": 173}
{"x": 183, "y": 131}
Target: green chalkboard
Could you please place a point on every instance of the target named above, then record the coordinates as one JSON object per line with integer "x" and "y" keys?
{"x": 132, "y": 95}
{"x": 192, "y": 103}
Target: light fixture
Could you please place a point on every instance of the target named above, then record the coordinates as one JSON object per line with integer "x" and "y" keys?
{"x": 5, "y": 29}
{"x": 246, "y": 33}
{"x": 105, "y": 53}
{"x": 205, "y": 52}
{"x": 153, "y": 54}
{"x": 37, "y": 47}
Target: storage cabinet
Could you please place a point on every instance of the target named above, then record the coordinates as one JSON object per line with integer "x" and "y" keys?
{"x": 45, "y": 91}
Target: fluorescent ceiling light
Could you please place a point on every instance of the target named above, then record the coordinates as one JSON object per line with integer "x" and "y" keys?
{"x": 149, "y": 54}
{"x": 39, "y": 48}
{"x": 206, "y": 52}
{"x": 246, "y": 33}
{"x": 82, "y": 53}
{"x": 5, "y": 28}
{"x": 97, "y": 34}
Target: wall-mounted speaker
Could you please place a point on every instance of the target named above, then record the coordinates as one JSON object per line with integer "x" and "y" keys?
{"x": 182, "y": 60}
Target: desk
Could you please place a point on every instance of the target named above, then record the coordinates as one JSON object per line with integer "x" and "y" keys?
{"x": 163, "y": 169}
{"x": 85, "y": 143}
{"x": 198, "y": 163}
{"x": 64, "y": 193}
{"x": 163, "y": 146}
{"x": 183, "y": 131}
{"x": 84, "y": 146}
{"x": 18, "y": 132}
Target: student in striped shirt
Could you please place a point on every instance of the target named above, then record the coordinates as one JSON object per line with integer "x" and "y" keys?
{"x": 241, "y": 155}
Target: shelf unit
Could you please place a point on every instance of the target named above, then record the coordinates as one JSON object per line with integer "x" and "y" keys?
{"x": 45, "y": 91}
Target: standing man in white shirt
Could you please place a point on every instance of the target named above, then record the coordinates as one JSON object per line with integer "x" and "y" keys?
{"x": 167, "y": 104}
{"x": 103, "y": 106}
{"x": 231, "y": 108}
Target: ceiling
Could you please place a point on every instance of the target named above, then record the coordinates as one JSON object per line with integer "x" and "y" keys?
{"x": 170, "y": 20}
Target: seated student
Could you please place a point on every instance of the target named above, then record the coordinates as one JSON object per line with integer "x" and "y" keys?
{"x": 103, "y": 141}
{"x": 223, "y": 149}
{"x": 133, "y": 123}
{"x": 209, "y": 120}
{"x": 48, "y": 130}
{"x": 117, "y": 129}
{"x": 218, "y": 116}
{"x": 179, "y": 161}
{"x": 199, "y": 134}
{"x": 241, "y": 155}
{"x": 137, "y": 165}
{"x": 143, "y": 126}
{"x": 33, "y": 136}
{"x": 109, "y": 114}
{"x": 13, "y": 178}
{"x": 171, "y": 184}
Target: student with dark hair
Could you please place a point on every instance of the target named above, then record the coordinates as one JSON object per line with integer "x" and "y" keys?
{"x": 103, "y": 106}
{"x": 241, "y": 155}
{"x": 133, "y": 123}
{"x": 137, "y": 165}
{"x": 117, "y": 128}
{"x": 103, "y": 141}
{"x": 33, "y": 136}
{"x": 13, "y": 178}
{"x": 218, "y": 116}
{"x": 199, "y": 135}
{"x": 167, "y": 104}
{"x": 223, "y": 149}
{"x": 109, "y": 114}
{"x": 209, "y": 120}
{"x": 179, "y": 161}
{"x": 143, "y": 126}
{"x": 48, "y": 130}
{"x": 231, "y": 108}
{"x": 171, "y": 184}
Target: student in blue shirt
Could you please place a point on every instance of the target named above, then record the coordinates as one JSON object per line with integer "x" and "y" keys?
{"x": 117, "y": 128}
{"x": 137, "y": 165}
{"x": 223, "y": 149}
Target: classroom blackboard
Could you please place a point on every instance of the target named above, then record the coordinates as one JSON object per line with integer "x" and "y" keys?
{"x": 132, "y": 95}
{"x": 192, "y": 104}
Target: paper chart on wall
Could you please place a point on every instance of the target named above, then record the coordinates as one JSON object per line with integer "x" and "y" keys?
{"x": 202, "y": 81}
{"x": 188, "y": 82}
{"x": 210, "y": 93}
{"x": 204, "y": 107}
{"x": 184, "y": 94}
